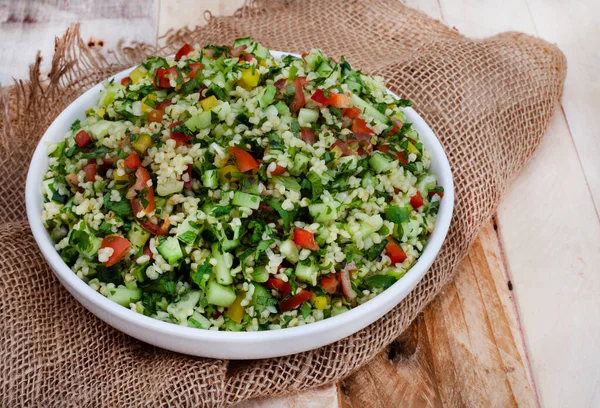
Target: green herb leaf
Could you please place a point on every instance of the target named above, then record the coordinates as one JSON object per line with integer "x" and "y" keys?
{"x": 121, "y": 208}
{"x": 285, "y": 216}
{"x": 380, "y": 281}
{"x": 376, "y": 250}
{"x": 305, "y": 309}
{"x": 396, "y": 214}
{"x": 222, "y": 210}
{"x": 76, "y": 125}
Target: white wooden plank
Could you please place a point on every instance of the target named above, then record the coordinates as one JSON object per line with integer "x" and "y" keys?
{"x": 29, "y": 25}
{"x": 552, "y": 265}
{"x": 573, "y": 26}
{"x": 322, "y": 397}
{"x": 180, "y": 13}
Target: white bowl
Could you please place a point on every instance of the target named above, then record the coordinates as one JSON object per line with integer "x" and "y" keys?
{"x": 229, "y": 345}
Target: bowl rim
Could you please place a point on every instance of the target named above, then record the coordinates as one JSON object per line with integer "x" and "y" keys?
{"x": 400, "y": 289}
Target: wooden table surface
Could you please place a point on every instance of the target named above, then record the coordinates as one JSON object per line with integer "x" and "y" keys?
{"x": 520, "y": 325}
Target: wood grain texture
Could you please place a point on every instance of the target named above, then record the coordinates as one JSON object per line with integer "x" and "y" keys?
{"x": 465, "y": 350}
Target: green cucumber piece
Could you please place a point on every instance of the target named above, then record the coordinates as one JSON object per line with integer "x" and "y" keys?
{"x": 267, "y": 96}
{"x": 368, "y": 109}
{"x": 242, "y": 41}
{"x": 380, "y": 162}
{"x": 124, "y": 296}
{"x": 307, "y": 273}
{"x": 221, "y": 269}
{"x": 184, "y": 308}
{"x": 199, "y": 121}
{"x": 289, "y": 183}
{"x": 282, "y": 108}
{"x": 219, "y": 295}
{"x": 307, "y": 116}
{"x": 300, "y": 164}
{"x": 260, "y": 274}
{"x": 242, "y": 199}
{"x": 138, "y": 235}
{"x": 322, "y": 212}
{"x": 198, "y": 321}
{"x": 210, "y": 178}
{"x": 186, "y": 232}
{"x": 426, "y": 182}
{"x": 290, "y": 251}
{"x": 261, "y": 298}
{"x": 170, "y": 250}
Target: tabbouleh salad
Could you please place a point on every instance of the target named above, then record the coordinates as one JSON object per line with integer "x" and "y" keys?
{"x": 225, "y": 189}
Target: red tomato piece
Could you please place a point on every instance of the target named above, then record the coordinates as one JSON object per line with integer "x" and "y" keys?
{"x": 278, "y": 171}
{"x": 147, "y": 251}
{"x": 348, "y": 148}
{"x": 339, "y": 100}
{"x": 284, "y": 288}
{"x": 295, "y": 301}
{"x": 160, "y": 78}
{"x": 125, "y": 81}
{"x": 417, "y": 200}
{"x": 352, "y": 113}
{"x": 156, "y": 229}
{"x": 401, "y": 156}
{"x": 132, "y": 162}
{"x": 439, "y": 193}
{"x": 244, "y": 160}
{"x": 155, "y": 115}
{"x": 299, "y": 99}
{"x": 394, "y": 251}
{"x": 163, "y": 105}
{"x": 195, "y": 67}
{"x": 119, "y": 245}
{"x": 248, "y": 57}
{"x": 237, "y": 51}
{"x": 360, "y": 126}
{"x": 179, "y": 137}
{"x": 330, "y": 283}
{"x": 172, "y": 72}
{"x": 280, "y": 84}
{"x": 319, "y": 96}
{"x": 82, "y": 138}
{"x": 188, "y": 184}
{"x": 141, "y": 184}
{"x": 308, "y": 136}
{"x": 90, "y": 171}
{"x": 183, "y": 51}
{"x": 305, "y": 239}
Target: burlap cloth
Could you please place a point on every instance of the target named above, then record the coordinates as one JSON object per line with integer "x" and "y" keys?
{"x": 489, "y": 102}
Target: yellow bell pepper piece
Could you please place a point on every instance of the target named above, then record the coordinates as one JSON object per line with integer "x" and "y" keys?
{"x": 320, "y": 302}
{"x": 225, "y": 175}
{"x": 236, "y": 311}
{"x": 412, "y": 149}
{"x": 209, "y": 103}
{"x": 100, "y": 112}
{"x": 142, "y": 143}
{"x": 137, "y": 74}
{"x": 120, "y": 181}
{"x": 249, "y": 78}
{"x": 146, "y": 108}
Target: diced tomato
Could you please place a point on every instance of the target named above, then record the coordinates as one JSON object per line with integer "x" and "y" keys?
{"x": 383, "y": 148}
{"x": 156, "y": 229}
{"x": 179, "y": 137}
{"x": 335, "y": 99}
{"x": 417, "y": 200}
{"x": 360, "y": 126}
{"x": 155, "y": 115}
{"x": 330, "y": 283}
{"x": 245, "y": 161}
{"x": 280, "y": 84}
{"x": 119, "y": 245}
{"x": 82, "y": 138}
{"x": 319, "y": 96}
{"x": 160, "y": 78}
{"x": 278, "y": 171}
{"x": 188, "y": 184}
{"x": 141, "y": 185}
{"x": 183, "y": 51}
{"x": 248, "y": 57}
{"x": 163, "y": 105}
{"x": 305, "y": 239}
{"x": 401, "y": 156}
{"x": 90, "y": 171}
{"x": 132, "y": 162}
{"x": 125, "y": 81}
{"x": 195, "y": 67}
{"x": 349, "y": 148}
{"x": 352, "y": 113}
{"x": 172, "y": 71}
{"x": 344, "y": 277}
{"x": 237, "y": 51}
{"x": 284, "y": 288}
{"x": 397, "y": 125}
{"x": 394, "y": 251}
{"x": 299, "y": 99}
{"x": 439, "y": 193}
{"x": 295, "y": 301}
{"x": 308, "y": 136}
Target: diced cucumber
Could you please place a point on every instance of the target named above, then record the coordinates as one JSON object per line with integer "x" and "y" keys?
{"x": 289, "y": 183}
{"x": 368, "y": 227}
{"x": 138, "y": 235}
{"x": 100, "y": 128}
{"x": 368, "y": 109}
{"x": 108, "y": 94}
{"x": 48, "y": 191}
{"x": 219, "y": 295}
{"x": 380, "y": 162}
{"x": 324, "y": 69}
{"x": 219, "y": 79}
{"x": 242, "y": 41}
{"x": 267, "y": 96}
{"x": 369, "y": 180}
{"x": 300, "y": 164}
{"x": 314, "y": 58}
{"x": 271, "y": 111}
{"x": 210, "y": 178}
{"x": 185, "y": 306}
{"x": 124, "y": 296}
{"x": 307, "y": 273}
{"x": 282, "y": 108}
{"x": 336, "y": 310}
{"x": 426, "y": 182}
{"x": 170, "y": 250}
{"x": 222, "y": 110}
{"x": 199, "y": 121}
{"x": 170, "y": 187}
{"x": 322, "y": 212}
{"x": 242, "y": 199}
{"x": 307, "y": 116}
{"x": 261, "y": 298}
{"x": 83, "y": 236}
{"x": 260, "y": 274}
{"x": 222, "y": 270}
{"x": 233, "y": 326}
{"x": 230, "y": 244}
{"x": 259, "y": 51}
{"x": 198, "y": 321}
{"x": 289, "y": 249}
